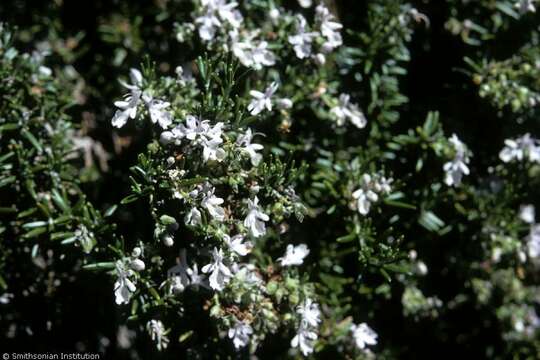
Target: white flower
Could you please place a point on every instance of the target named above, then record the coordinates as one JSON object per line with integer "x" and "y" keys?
{"x": 158, "y": 333}
{"x": 212, "y": 204}
{"x": 255, "y": 218}
{"x": 306, "y": 335}
{"x": 127, "y": 108}
{"x": 527, "y": 213}
{"x": 304, "y": 339}
{"x": 457, "y": 167}
{"x": 159, "y": 114}
{"x": 262, "y": 100}
{"x": 305, "y": 3}
{"x": 347, "y": 110}
{"x": 250, "y": 52}
{"x": 329, "y": 28}
{"x": 5, "y": 298}
{"x": 240, "y": 334}
{"x": 302, "y": 40}
{"x": 284, "y": 103}
{"x": 295, "y": 255}
{"x": 525, "y": 6}
{"x": 533, "y": 242}
{"x": 455, "y": 170}
{"x": 524, "y": 147}
{"x": 310, "y": 312}
{"x": 208, "y": 23}
{"x": 368, "y": 192}
{"x": 137, "y": 265}
{"x": 199, "y": 133}
{"x": 215, "y": 12}
{"x": 220, "y": 274}
{"x": 123, "y": 287}
{"x": 363, "y": 335}
{"x": 227, "y": 11}
{"x": 251, "y": 149}
{"x": 261, "y": 56}
{"x": 211, "y": 144}
{"x": 237, "y": 245}
{"x": 193, "y": 217}
{"x": 182, "y": 276}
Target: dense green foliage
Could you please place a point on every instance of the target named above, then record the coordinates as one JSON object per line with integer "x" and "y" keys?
{"x": 283, "y": 178}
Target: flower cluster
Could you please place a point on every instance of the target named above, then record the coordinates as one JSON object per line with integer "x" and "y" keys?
{"x": 525, "y": 147}
{"x": 307, "y": 330}
{"x": 371, "y": 187}
{"x": 457, "y": 167}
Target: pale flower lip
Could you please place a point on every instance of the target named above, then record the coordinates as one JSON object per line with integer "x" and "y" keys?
{"x": 457, "y": 167}
{"x": 261, "y": 100}
{"x": 237, "y": 244}
{"x": 302, "y": 40}
{"x": 345, "y": 110}
{"x": 240, "y": 334}
{"x": 294, "y": 255}
{"x": 157, "y": 332}
{"x": 255, "y": 219}
{"x": 363, "y": 335}
{"x": 123, "y": 287}
{"x": 249, "y": 148}
{"x": 212, "y": 203}
{"x": 220, "y": 274}
{"x": 309, "y": 321}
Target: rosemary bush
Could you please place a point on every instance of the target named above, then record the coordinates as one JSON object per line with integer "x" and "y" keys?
{"x": 270, "y": 179}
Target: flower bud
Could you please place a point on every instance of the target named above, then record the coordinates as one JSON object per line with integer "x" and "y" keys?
{"x": 136, "y": 252}
{"x": 168, "y": 241}
{"x": 137, "y": 265}
{"x": 166, "y": 138}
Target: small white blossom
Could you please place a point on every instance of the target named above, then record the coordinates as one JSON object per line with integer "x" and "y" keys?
{"x": 159, "y": 114}
{"x": 527, "y": 213}
{"x": 330, "y": 28}
{"x": 212, "y": 204}
{"x": 6, "y": 298}
{"x": 220, "y": 274}
{"x": 302, "y": 40}
{"x": 137, "y": 265}
{"x": 369, "y": 191}
{"x": 240, "y": 334}
{"x": 525, "y": 6}
{"x": 182, "y": 276}
{"x": 244, "y": 141}
{"x": 158, "y": 334}
{"x": 215, "y": 13}
{"x": 524, "y": 147}
{"x": 255, "y": 218}
{"x": 127, "y": 108}
{"x": 261, "y": 100}
{"x": 306, "y": 335}
{"x": 347, "y": 110}
{"x": 533, "y": 242}
{"x": 237, "y": 244}
{"x": 294, "y": 255}
{"x": 193, "y": 217}
{"x": 250, "y": 52}
{"x": 284, "y": 103}
{"x": 304, "y": 339}
{"x": 363, "y": 335}
{"x": 305, "y": 3}
{"x": 457, "y": 167}
{"x": 123, "y": 287}
{"x": 199, "y": 133}
{"x": 310, "y": 312}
